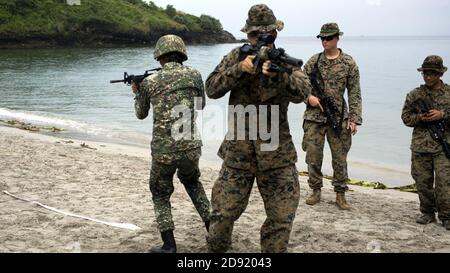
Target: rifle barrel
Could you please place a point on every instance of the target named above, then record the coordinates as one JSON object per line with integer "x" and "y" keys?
{"x": 117, "y": 81}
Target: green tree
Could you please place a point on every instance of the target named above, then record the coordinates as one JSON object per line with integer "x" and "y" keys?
{"x": 25, "y": 4}
{"x": 21, "y": 6}
{"x": 137, "y": 2}
{"x": 180, "y": 19}
{"x": 152, "y": 5}
{"x": 209, "y": 23}
{"x": 171, "y": 11}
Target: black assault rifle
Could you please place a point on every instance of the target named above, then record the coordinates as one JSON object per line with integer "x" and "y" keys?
{"x": 328, "y": 103}
{"x": 436, "y": 128}
{"x": 277, "y": 56}
{"x": 127, "y": 79}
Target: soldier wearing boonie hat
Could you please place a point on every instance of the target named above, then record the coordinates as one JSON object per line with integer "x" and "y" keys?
{"x": 336, "y": 71}
{"x": 246, "y": 159}
{"x": 430, "y": 168}
{"x": 433, "y": 63}
{"x": 262, "y": 19}
{"x": 330, "y": 29}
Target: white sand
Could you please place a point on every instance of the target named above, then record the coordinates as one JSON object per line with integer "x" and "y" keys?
{"x": 111, "y": 184}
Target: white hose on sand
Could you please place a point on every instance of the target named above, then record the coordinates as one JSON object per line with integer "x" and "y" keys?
{"x": 118, "y": 225}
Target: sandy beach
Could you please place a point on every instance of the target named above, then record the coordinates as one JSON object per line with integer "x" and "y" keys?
{"x": 110, "y": 183}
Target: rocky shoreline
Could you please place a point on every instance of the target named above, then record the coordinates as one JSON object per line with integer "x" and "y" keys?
{"x": 136, "y": 39}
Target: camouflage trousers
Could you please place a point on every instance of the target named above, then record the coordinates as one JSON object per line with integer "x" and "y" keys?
{"x": 280, "y": 192}
{"x": 161, "y": 186}
{"x": 431, "y": 172}
{"x": 313, "y": 143}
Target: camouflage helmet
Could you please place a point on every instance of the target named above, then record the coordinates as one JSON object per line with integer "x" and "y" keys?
{"x": 329, "y": 29}
{"x": 262, "y": 19}
{"x": 433, "y": 62}
{"x": 169, "y": 43}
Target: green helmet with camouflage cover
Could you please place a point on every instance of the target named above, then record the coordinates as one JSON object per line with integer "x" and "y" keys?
{"x": 170, "y": 43}
{"x": 434, "y": 63}
{"x": 262, "y": 19}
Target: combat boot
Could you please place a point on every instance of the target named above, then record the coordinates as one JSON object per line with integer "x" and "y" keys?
{"x": 341, "y": 202}
{"x": 446, "y": 224}
{"x": 169, "y": 245}
{"x": 314, "y": 198}
{"x": 425, "y": 219}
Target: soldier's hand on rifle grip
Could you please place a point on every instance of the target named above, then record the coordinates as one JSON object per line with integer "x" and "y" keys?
{"x": 265, "y": 70}
{"x": 433, "y": 115}
{"x": 134, "y": 87}
{"x": 247, "y": 64}
{"x": 315, "y": 102}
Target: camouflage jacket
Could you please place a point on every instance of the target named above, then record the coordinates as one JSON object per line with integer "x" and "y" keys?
{"x": 173, "y": 86}
{"x": 247, "y": 91}
{"x": 421, "y": 138}
{"x": 338, "y": 74}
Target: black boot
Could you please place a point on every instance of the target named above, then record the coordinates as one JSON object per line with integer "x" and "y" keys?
{"x": 426, "y": 219}
{"x": 169, "y": 245}
{"x": 446, "y": 224}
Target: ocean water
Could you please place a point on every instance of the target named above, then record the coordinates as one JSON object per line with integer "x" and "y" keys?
{"x": 70, "y": 88}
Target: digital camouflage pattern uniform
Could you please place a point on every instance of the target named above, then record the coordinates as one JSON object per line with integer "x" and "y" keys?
{"x": 172, "y": 86}
{"x": 338, "y": 75}
{"x": 244, "y": 160}
{"x": 429, "y": 165}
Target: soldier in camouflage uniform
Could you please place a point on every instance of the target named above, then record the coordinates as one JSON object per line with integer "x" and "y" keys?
{"x": 337, "y": 72}
{"x": 429, "y": 163}
{"x": 245, "y": 159}
{"x": 173, "y": 86}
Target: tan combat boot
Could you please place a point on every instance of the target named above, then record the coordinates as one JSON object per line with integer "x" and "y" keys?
{"x": 341, "y": 202}
{"x": 314, "y": 198}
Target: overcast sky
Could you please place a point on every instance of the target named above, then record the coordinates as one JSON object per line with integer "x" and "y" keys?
{"x": 355, "y": 17}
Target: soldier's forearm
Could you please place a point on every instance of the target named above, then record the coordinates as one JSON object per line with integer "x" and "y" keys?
{"x": 221, "y": 82}
{"x": 447, "y": 116}
{"x": 355, "y": 102}
{"x": 355, "y": 113}
{"x": 410, "y": 119}
{"x": 356, "y": 119}
{"x": 298, "y": 87}
{"x": 140, "y": 113}
{"x": 214, "y": 88}
{"x": 141, "y": 107}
